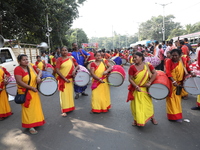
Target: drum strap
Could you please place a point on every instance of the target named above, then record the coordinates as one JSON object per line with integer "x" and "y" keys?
{"x": 104, "y": 64}
{"x": 150, "y": 74}
{"x": 185, "y": 70}
{"x": 72, "y": 61}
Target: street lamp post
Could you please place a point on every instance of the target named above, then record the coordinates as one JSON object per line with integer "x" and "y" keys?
{"x": 163, "y": 29}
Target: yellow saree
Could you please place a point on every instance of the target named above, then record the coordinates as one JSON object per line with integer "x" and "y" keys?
{"x": 32, "y": 114}
{"x": 5, "y": 109}
{"x": 141, "y": 106}
{"x": 67, "y": 90}
{"x": 100, "y": 99}
{"x": 173, "y": 102}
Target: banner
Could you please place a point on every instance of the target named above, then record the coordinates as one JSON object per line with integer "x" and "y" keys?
{"x": 89, "y": 45}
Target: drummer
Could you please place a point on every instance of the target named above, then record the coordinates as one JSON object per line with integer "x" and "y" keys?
{"x": 100, "y": 99}
{"x": 175, "y": 73}
{"x": 140, "y": 78}
{"x": 41, "y": 64}
{"x": 5, "y": 110}
{"x": 66, "y": 67}
{"x": 81, "y": 57}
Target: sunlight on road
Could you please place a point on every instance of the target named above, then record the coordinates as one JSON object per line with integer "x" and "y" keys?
{"x": 15, "y": 139}
{"x": 81, "y": 128}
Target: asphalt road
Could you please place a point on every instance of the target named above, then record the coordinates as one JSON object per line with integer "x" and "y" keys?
{"x": 107, "y": 131}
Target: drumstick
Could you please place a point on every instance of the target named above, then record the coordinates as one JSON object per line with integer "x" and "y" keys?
{"x": 190, "y": 87}
{"x": 157, "y": 88}
{"x": 8, "y": 87}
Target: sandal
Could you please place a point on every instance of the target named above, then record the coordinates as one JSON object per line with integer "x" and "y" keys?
{"x": 134, "y": 123}
{"x": 64, "y": 115}
{"x": 154, "y": 121}
{"x": 32, "y": 131}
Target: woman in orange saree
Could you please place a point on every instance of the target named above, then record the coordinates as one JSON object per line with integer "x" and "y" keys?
{"x": 141, "y": 103}
{"x": 32, "y": 114}
{"x": 175, "y": 72}
{"x": 66, "y": 67}
{"x": 100, "y": 99}
{"x": 5, "y": 109}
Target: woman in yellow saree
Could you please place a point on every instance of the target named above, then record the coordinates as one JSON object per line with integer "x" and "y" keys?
{"x": 175, "y": 72}
{"x": 40, "y": 63}
{"x": 32, "y": 114}
{"x": 65, "y": 68}
{"x": 5, "y": 109}
{"x": 100, "y": 99}
{"x": 141, "y": 103}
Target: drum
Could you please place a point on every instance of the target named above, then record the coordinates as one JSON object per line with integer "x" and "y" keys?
{"x": 192, "y": 84}
{"x": 117, "y": 60}
{"x": 160, "y": 87}
{"x": 89, "y": 63}
{"x": 50, "y": 68}
{"x": 11, "y": 87}
{"x": 111, "y": 62}
{"x": 82, "y": 77}
{"x": 116, "y": 76}
{"x": 124, "y": 61}
{"x": 49, "y": 84}
{"x": 155, "y": 61}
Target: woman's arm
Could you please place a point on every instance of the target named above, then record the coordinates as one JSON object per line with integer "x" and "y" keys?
{"x": 22, "y": 84}
{"x": 130, "y": 78}
{"x": 92, "y": 69}
{"x": 61, "y": 75}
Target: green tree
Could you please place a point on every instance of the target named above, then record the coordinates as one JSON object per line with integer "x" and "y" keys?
{"x": 27, "y": 20}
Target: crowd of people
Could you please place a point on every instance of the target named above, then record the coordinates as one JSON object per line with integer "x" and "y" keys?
{"x": 174, "y": 60}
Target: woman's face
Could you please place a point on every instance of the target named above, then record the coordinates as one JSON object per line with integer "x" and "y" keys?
{"x": 64, "y": 51}
{"x": 98, "y": 56}
{"x": 24, "y": 61}
{"x": 137, "y": 59}
{"x": 175, "y": 57}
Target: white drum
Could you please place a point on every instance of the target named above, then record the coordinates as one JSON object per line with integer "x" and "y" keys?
{"x": 124, "y": 61}
{"x": 50, "y": 70}
{"x": 192, "y": 85}
{"x": 49, "y": 84}
{"x": 111, "y": 62}
{"x": 11, "y": 87}
{"x": 82, "y": 77}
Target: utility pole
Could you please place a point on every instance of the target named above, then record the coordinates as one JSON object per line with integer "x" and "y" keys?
{"x": 163, "y": 29}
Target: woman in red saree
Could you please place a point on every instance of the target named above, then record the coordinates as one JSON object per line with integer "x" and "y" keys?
{"x": 5, "y": 109}
{"x": 141, "y": 103}
{"x": 100, "y": 99}
{"x": 40, "y": 63}
{"x": 66, "y": 67}
{"x": 175, "y": 72}
{"x": 32, "y": 114}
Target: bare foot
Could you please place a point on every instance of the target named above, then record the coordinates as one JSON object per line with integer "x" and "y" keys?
{"x": 154, "y": 121}
{"x": 64, "y": 115}
{"x": 134, "y": 123}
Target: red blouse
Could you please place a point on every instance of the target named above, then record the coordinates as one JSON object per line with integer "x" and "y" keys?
{"x": 132, "y": 70}
{"x": 95, "y": 66}
{"x": 60, "y": 61}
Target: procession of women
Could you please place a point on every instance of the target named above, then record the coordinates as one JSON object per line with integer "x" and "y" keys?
{"x": 157, "y": 71}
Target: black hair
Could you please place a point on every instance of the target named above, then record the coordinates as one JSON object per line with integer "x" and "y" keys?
{"x": 140, "y": 55}
{"x": 97, "y": 53}
{"x": 38, "y": 56}
{"x": 170, "y": 42}
{"x": 73, "y": 43}
{"x": 176, "y": 51}
{"x": 186, "y": 39}
{"x": 181, "y": 42}
{"x": 163, "y": 42}
{"x": 156, "y": 42}
{"x": 63, "y": 47}
{"x": 159, "y": 46}
{"x": 19, "y": 57}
